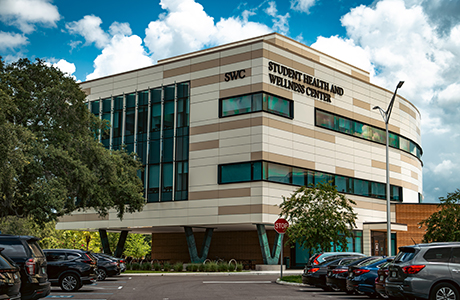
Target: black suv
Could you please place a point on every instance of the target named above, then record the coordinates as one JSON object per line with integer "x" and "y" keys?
{"x": 106, "y": 267}
{"x": 71, "y": 269}
{"x": 27, "y": 254}
{"x": 10, "y": 279}
{"x": 425, "y": 271}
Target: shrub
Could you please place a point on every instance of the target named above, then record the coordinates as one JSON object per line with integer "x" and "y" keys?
{"x": 166, "y": 266}
{"x": 222, "y": 267}
{"x": 135, "y": 266}
{"x": 211, "y": 267}
{"x": 178, "y": 266}
{"x": 239, "y": 267}
{"x": 202, "y": 267}
{"x": 231, "y": 267}
{"x": 156, "y": 266}
{"x": 192, "y": 267}
{"x": 146, "y": 266}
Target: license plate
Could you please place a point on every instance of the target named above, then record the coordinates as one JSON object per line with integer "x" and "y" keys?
{"x": 329, "y": 273}
{"x": 43, "y": 270}
{"x": 393, "y": 274}
{"x": 381, "y": 278}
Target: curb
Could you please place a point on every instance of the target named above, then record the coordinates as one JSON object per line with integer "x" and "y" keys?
{"x": 207, "y": 273}
{"x": 278, "y": 281}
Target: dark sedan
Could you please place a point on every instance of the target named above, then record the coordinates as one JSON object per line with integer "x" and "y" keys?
{"x": 337, "y": 274}
{"x": 316, "y": 275}
{"x": 106, "y": 267}
{"x": 361, "y": 279}
{"x": 10, "y": 279}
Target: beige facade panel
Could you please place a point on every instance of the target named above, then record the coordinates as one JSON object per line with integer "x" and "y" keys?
{"x": 204, "y": 145}
{"x": 280, "y": 43}
{"x": 362, "y": 104}
{"x": 414, "y": 175}
{"x": 360, "y": 76}
{"x": 204, "y": 129}
{"x": 241, "y": 90}
{"x": 245, "y": 123}
{"x": 220, "y": 194}
{"x": 303, "y": 163}
{"x": 383, "y": 166}
{"x": 228, "y": 60}
{"x": 406, "y": 109}
{"x": 205, "y": 65}
{"x": 290, "y": 63}
{"x": 214, "y": 194}
{"x": 325, "y": 137}
{"x": 87, "y": 91}
{"x": 194, "y": 83}
{"x": 82, "y": 218}
{"x": 344, "y": 171}
{"x": 176, "y": 71}
{"x": 411, "y": 160}
{"x": 249, "y": 209}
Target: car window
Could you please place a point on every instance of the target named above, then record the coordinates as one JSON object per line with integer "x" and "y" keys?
{"x": 36, "y": 250}
{"x": 438, "y": 254}
{"x": 405, "y": 254}
{"x": 456, "y": 256}
{"x": 4, "y": 263}
{"x": 371, "y": 261}
{"x": 72, "y": 256}
{"x": 13, "y": 248}
{"x": 55, "y": 256}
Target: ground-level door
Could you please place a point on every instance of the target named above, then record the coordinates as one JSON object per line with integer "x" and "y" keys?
{"x": 379, "y": 243}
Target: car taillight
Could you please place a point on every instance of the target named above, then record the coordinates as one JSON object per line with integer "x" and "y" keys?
{"x": 414, "y": 269}
{"x": 360, "y": 271}
{"x": 30, "y": 266}
{"x": 312, "y": 270}
{"x": 88, "y": 260}
{"x": 122, "y": 261}
{"x": 315, "y": 262}
{"x": 338, "y": 271}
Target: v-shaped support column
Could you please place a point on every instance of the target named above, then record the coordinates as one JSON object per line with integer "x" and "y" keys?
{"x": 194, "y": 258}
{"x": 273, "y": 257}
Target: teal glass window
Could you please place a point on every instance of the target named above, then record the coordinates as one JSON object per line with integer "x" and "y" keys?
{"x": 168, "y": 117}
{"x": 118, "y": 103}
{"x": 371, "y": 133}
{"x": 183, "y": 90}
{"x": 131, "y": 100}
{"x": 167, "y": 150}
{"x": 142, "y": 119}
{"x": 254, "y": 103}
{"x": 155, "y": 95}
{"x": 274, "y": 172}
{"x": 107, "y": 105}
{"x": 183, "y": 113}
{"x": 235, "y": 172}
{"x": 325, "y": 120}
{"x": 166, "y": 182}
{"x": 154, "y": 151}
{"x": 143, "y": 98}
{"x": 181, "y": 181}
{"x": 155, "y": 122}
{"x": 182, "y": 148}
{"x": 278, "y": 105}
{"x": 154, "y": 183}
{"x": 117, "y": 119}
{"x": 95, "y": 107}
{"x": 129, "y": 121}
{"x": 169, "y": 92}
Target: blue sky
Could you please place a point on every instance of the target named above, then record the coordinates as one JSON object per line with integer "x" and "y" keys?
{"x": 413, "y": 40}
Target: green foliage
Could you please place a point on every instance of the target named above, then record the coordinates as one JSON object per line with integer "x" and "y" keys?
{"x": 239, "y": 267}
{"x": 136, "y": 246}
{"x": 319, "y": 217}
{"x": 156, "y": 266}
{"x": 292, "y": 278}
{"x": 444, "y": 225}
{"x": 178, "y": 266}
{"x": 222, "y": 267}
{"x": 202, "y": 267}
{"x": 211, "y": 267}
{"x": 192, "y": 267}
{"x": 167, "y": 266}
{"x": 51, "y": 164}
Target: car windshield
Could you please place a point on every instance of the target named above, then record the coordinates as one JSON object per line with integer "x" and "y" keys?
{"x": 371, "y": 261}
{"x": 5, "y": 264}
{"x": 13, "y": 248}
{"x": 405, "y": 254}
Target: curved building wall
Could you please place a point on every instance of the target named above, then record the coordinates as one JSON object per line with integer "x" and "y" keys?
{"x": 279, "y": 127}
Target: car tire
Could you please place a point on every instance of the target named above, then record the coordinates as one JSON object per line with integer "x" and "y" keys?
{"x": 444, "y": 290}
{"x": 101, "y": 274}
{"x": 70, "y": 282}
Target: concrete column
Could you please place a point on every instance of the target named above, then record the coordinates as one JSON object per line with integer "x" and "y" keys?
{"x": 121, "y": 243}
{"x": 105, "y": 241}
{"x": 270, "y": 258}
{"x": 192, "y": 250}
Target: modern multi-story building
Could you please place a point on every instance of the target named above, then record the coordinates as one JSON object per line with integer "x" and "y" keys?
{"x": 225, "y": 132}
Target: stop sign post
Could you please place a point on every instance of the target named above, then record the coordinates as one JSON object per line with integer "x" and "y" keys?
{"x": 281, "y": 225}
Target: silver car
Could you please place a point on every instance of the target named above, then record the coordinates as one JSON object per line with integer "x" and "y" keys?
{"x": 427, "y": 271}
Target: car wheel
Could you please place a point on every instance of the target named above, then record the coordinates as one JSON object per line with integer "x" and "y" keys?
{"x": 444, "y": 291}
{"x": 101, "y": 274}
{"x": 70, "y": 282}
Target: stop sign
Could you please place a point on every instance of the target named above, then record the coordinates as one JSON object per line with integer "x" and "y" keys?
{"x": 281, "y": 225}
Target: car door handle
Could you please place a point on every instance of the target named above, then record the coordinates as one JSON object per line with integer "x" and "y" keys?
{"x": 455, "y": 270}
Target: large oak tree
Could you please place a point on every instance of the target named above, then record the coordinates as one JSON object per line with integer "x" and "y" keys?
{"x": 51, "y": 162}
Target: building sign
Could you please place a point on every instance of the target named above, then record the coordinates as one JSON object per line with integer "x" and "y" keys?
{"x": 302, "y": 83}
{"x": 235, "y": 75}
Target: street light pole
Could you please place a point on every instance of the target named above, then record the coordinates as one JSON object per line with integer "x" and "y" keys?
{"x": 386, "y": 118}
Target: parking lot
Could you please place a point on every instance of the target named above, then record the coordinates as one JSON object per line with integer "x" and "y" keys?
{"x": 191, "y": 286}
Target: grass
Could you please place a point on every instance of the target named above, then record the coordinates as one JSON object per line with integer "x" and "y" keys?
{"x": 292, "y": 278}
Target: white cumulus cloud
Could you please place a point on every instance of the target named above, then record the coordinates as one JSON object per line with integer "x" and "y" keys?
{"x": 90, "y": 28}
{"x": 24, "y": 14}
{"x": 11, "y": 40}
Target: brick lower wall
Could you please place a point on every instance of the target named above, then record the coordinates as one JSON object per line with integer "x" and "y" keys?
{"x": 412, "y": 214}
{"x": 240, "y": 245}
